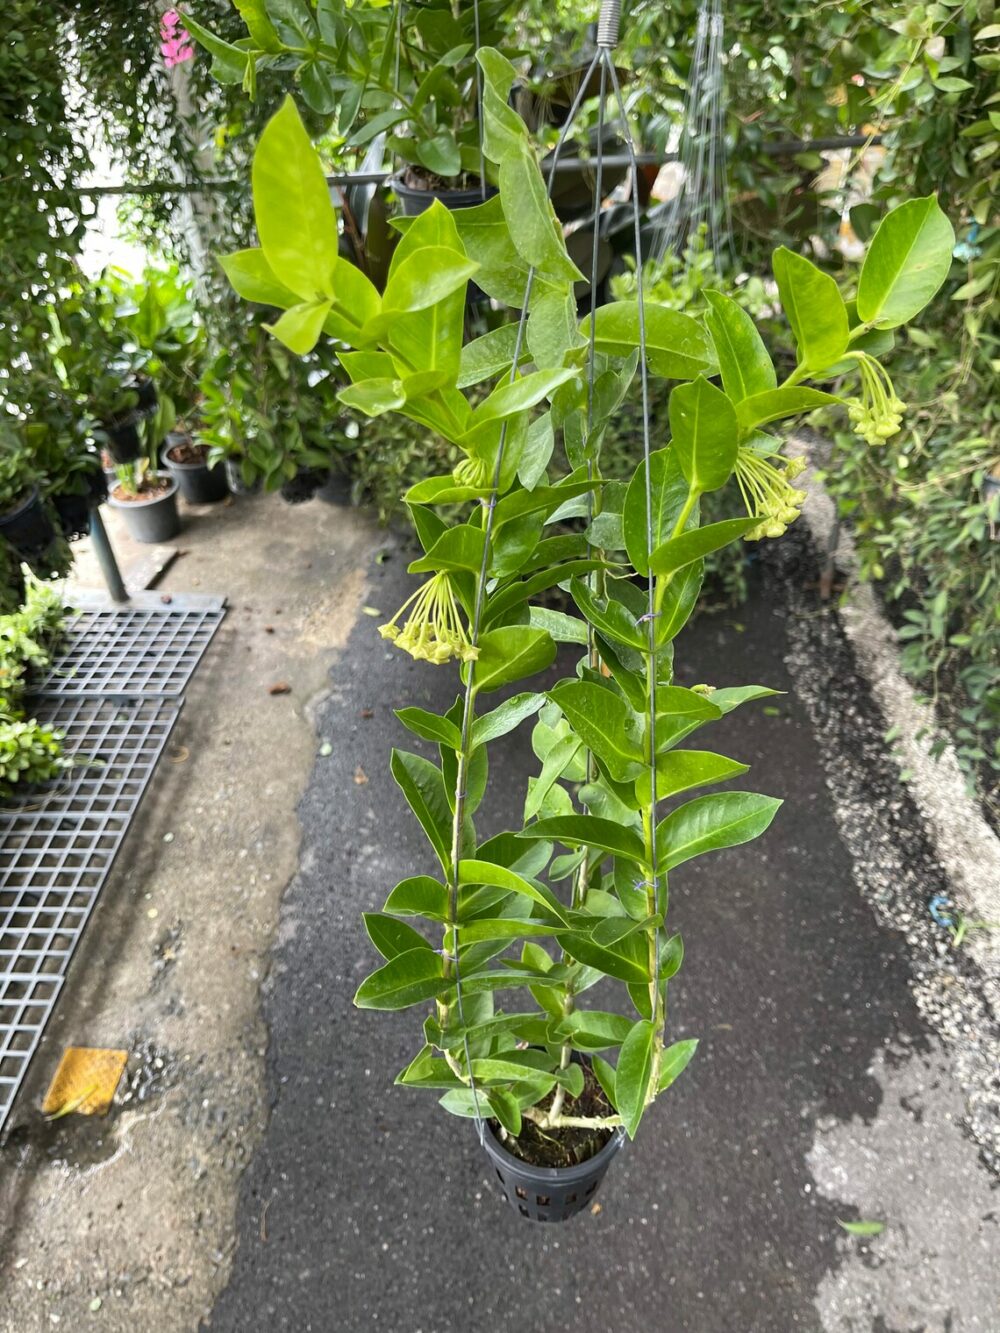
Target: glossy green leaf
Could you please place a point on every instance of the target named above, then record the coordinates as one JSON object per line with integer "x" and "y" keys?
{"x": 761, "y": 408}
{"x": 430, "y": 726}
{"x": 519, "y": 395}
{"x": 611, "y": 618}
{"x": 710, "y": 823}
{"x": 296, "y": 221}
{"x": 460, "y": 547}
{"x": 488, "y": 355}
{"x": 635, "y": 1064}
{"x": 705, "y": 434}
{"x": 440, "y": 154}
{"x": 392, "y": 936}
{"x": 673, "y": 1061}
{"x": 420, "y": 895}
{"x": 409, "y": 978}
{"x": 510, "y": 714}
{"x": 681, "y": 770}
{"x": 606, "y": 1077}
{"x": 423, "y": 786}
{"x": 813, "y": 307}
{"x": 374, "y": 397}
{"x": 505, "y": 1108}
{"x": 677, "y": 701}
{"x": 679, "y": 601}
{"x": 553, "y": 767}
{"x": 907, "y": 261}
{"x": 484, "y": 872}
{"x": 534, "y": 227}
{"x": 300, "y": 326}
{"x": 511, "y": 654}
{"x": 669, "y": 492}
{"x": 229, "y": 63}
{"x": 251, "y": 277}
{"x": 697, "y": 543}
{"x": 733, "y": 695}
{"x": 425, "y": 277}
{"x": 590, "y": 831}
{"x": 625, "y": 961}
{"x": 605, "y": 723}
{"x": 678, "y": 348}
{"x": 594, "y": 1029}
{"x": 744, "y": 361}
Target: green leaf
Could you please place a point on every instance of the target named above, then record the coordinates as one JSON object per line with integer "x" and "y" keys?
{"x": 251, "y": 277}
{"x": 611, "y": 618}
{"x": 680, "y": 770}
{"x": 705, "y": 434}
{"x": 460, "y": 547}
{"x": 814, "y": 308}
{"x": 556, "y": 761}
{"x": 594, "y": 1029}
{"x": 229, "y": 63}
{"x": 861, "y": 1228}
{"x": 710, "y": 823}
{"x": 487, "y": 355}
{"x": 420, "y": 895}
{"x": 519, "y": 395}
{"x": 696, "y": 544}
{"x": 674, "y": 1060}
{"x": 635, "y": 1064}
{"x": 430, "y": 727}
{"x": 677, "y": 701}
{"x": 423, "y": 786}
{"x": 605, "y": 723}
{"x": 512, "y": 712}
{"x": 484, "y": 872}
{"x": 440, "y": 154}
{"x": 589, "y": 831}
{"x": 505, "y": 1108}
{"x": 296, "y": 221}
{"x": 761, "y": 408}
{"x": 534, "y": 227}
{"x": 606, "y": 1077}
{"x": 679, "y": 601}
{"x": 407, "y": 979}
{"x": 743, "y": 359}
{"x": 426, "y": 276}
{"x": 300, "y": 326}
{"x": 392, "y": 937}
{"x": 732, "y": 696}
{"x": 511, "y": 654}
{"x": 669, "y": 492}
{"x": 907, "y": 261}
{"x": 677, "y": 347}
{"x": 375, "y": 398}
{"x": 624, "y": 962}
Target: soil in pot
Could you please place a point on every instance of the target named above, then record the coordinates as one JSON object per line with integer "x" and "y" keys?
{"x": 564, "y": 1146}
{"x": 186, "y": 461}
{"x": 417, "y": 189}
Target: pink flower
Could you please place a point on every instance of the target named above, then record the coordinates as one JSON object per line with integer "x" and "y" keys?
{"x": 175, "y": 44}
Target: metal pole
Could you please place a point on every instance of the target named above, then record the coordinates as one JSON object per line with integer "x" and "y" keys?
{"x": 106, "y": 557}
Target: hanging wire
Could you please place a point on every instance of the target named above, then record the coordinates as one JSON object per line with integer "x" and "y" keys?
{"x": 479, "y": 103}
{"x": 466, "y": 730}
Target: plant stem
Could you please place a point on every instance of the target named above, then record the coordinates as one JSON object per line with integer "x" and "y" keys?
{"x": 547, "y": 1120}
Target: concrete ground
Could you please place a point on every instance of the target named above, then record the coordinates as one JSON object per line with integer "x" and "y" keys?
{"x": 265, "y": 1174}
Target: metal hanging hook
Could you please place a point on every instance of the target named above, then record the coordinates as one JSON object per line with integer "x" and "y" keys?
{"x": 609, "y": 24}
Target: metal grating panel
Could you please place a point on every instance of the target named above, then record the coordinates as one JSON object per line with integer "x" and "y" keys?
{"x": 57, "y": 845}
{"x": 115, "y": 693}
{"x": 152, "y": 650}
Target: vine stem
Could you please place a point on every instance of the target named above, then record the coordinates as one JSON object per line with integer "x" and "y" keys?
{"x": 546, "y": 1120}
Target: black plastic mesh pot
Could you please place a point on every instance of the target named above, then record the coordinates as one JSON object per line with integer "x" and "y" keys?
{"x": 549, "y": 1193}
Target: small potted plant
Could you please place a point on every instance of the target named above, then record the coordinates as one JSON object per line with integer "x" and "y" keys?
{"x": 148, "y": 501}
{"x": 187, "y": 461}
{"x": 579, "y": 893}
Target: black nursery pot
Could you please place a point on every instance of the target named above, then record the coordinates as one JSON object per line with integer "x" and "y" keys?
{"x": 418, "y": 201}
{"x": 549, "y": 1193}
{"x": 151, "y": 520}
{"x": 73, "y": 511}
{"x": 199, "y": 484}
{"x": 336, "y": 490}
{"x": 234, "y": 478}
{"x": 27, "y": 527}
{"x": 124, "y": 443}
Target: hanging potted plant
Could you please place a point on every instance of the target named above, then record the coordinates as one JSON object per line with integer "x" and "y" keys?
{"x": 412, "y": 82}
{"x": 579, "y": 893}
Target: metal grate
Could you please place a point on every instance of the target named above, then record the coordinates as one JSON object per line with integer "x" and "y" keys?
{"x": 115, "y": 694}
{"x": 141, "y": 649}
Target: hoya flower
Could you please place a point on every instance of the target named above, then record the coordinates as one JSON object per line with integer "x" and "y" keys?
{"x": 434, "y": 631}
{"x": 878, "y": 413}
{"x": 768, "y": 492}
{"x": 472, "y": 472}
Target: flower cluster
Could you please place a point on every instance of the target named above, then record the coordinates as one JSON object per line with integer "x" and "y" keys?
{"x": 434, "y": 631}
{"x": 768, "y": 492}
{"x": 175, "y": 40}
{"x": 878, "y": 413}
{"x": 472, "y": 472}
